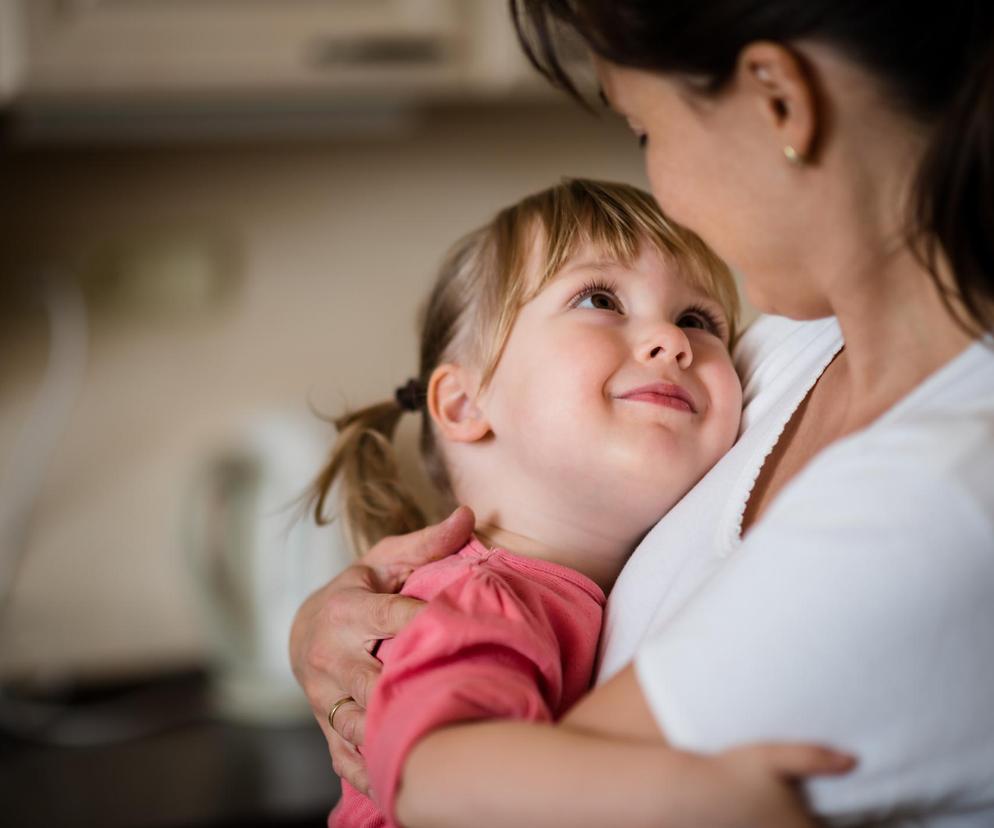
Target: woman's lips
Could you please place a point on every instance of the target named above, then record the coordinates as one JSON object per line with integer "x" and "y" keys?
{"x": 664, "y": 394}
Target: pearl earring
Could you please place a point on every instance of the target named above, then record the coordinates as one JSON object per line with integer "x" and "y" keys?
{"x": 794, "y": 156}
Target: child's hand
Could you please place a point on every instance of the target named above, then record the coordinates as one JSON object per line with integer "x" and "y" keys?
{"x": 757, "y": 786}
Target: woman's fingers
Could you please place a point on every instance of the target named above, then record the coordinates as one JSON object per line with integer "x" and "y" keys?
{"x": 348, "y": 763}
{"x": 334, "y": 631}
{"x": 350, "y": 723}
{"x": 387, "y": 615}
{"x": 394, "y": 558}
{"x": 360, "y": 676}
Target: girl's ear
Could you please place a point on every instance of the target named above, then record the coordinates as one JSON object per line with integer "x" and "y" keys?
{"x": 452, "y": 404}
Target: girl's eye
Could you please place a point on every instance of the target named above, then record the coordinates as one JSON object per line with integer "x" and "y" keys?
{"x": 597, "y": 297}
{"x": 643, "y": 139}
{"x": 701, "y": 319}
{"x": 599, "y": 301}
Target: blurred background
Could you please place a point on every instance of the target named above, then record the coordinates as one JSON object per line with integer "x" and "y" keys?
{"x": 216, "y": 216}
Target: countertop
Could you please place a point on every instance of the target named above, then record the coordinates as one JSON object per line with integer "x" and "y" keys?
{"x": 104, "y": 760}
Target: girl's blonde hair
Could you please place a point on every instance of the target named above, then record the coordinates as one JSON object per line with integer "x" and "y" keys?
{"x": 469, "y": 315}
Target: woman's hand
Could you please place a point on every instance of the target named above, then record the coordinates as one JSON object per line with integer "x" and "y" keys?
{"x": 337, "y": 627}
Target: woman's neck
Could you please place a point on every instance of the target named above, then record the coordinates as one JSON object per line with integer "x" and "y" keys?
{"x": 897, "y": 332}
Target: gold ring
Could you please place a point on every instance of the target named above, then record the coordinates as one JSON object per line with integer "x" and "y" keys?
{"x": 334, "y": 710}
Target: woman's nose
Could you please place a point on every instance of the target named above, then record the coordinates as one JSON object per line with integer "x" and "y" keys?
{"x": 668, "y": 343}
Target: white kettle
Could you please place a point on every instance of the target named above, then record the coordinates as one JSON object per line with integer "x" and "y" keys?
{"x": 255, "y": 557}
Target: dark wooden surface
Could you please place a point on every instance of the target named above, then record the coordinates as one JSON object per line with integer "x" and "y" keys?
{"x": 151, "y": 755}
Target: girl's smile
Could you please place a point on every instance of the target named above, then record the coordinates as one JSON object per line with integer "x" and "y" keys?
{"x": 662, "y": 393}
{"x": 614, "y": 393}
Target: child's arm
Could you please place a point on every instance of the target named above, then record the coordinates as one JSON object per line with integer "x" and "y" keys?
{"x": 515, "y": 773}
{"x": 481, "y": 653}
{"x": 615, "y": 710}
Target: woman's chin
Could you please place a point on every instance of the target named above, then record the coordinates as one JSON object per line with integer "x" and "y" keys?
{"x": 768, "y": 296}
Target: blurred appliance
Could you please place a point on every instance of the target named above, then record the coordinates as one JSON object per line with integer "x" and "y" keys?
{"x": 255, "y": 556}
{"x": 12, "y": 43}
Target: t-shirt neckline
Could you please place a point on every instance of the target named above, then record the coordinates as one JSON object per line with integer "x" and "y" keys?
{"x": 477, "y": 549}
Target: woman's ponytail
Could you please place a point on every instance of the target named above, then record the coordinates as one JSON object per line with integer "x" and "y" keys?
{"x": 954, "y": 204}
{"x": 373, "y": 499}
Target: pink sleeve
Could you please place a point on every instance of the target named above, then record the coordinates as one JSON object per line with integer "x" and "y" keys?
{"x": 480, "y": 650}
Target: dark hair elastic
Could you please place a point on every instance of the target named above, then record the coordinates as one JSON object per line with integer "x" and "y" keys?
{"x": 410, "y": 396}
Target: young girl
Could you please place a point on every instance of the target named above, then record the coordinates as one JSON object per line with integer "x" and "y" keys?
{"x": 575, "y": 381}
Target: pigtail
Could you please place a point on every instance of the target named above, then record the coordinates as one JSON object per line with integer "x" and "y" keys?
{"x": 373, "y": 500}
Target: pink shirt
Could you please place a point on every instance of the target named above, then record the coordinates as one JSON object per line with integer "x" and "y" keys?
{"x": 503, "y": 636}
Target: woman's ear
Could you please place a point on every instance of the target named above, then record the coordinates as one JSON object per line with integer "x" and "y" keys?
{"x": 785, "y": 93}
{"x": 452, "y": 404}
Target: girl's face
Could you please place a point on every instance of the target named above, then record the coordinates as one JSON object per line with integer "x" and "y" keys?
{"x": 616, "y": 384}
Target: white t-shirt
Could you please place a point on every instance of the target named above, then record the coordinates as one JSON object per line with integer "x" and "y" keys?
{"x": 779, "y": 361}
{"x": 859, "y": 612}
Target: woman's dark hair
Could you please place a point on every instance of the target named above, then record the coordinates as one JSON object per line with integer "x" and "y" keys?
{"x": 935, "y": 60}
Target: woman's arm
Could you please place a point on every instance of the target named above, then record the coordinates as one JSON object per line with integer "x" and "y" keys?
{"x": 606, "y": 764}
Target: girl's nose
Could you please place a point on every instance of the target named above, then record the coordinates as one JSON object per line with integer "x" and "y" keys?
{"x": 668, "y": 343}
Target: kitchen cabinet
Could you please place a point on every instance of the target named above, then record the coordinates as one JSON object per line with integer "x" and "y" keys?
{"x": 154, "y": 71}
{"x": 85, "y": 49}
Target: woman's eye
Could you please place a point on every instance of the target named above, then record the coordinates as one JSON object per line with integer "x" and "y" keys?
{"x": 599, "y": 300}
{"x": 643, "y": 139}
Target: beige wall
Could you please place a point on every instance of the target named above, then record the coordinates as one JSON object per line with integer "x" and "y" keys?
{"x": 336, "y": 245}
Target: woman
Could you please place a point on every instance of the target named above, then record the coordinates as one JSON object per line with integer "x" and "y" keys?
{"x": 832, "y": 579}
